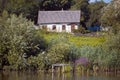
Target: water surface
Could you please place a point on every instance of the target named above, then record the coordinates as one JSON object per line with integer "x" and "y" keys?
{"x": 5, "y": 75}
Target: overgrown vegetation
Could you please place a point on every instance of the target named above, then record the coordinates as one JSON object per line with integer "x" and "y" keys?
{"x": 23, "y": 48}
{"x": 76, "y": 40}
{"x": 17, "y": 37}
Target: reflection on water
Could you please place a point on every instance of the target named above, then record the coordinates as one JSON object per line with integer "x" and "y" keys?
{"x": 55, "y": 76}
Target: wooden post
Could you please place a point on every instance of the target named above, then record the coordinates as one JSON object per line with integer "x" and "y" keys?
{"x": 52, "y": 76}
{"x": 52, "y": 68}
{"x": 63, "y": 69}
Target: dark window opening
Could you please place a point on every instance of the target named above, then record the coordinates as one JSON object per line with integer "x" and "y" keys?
{"x": 72, "y": 26}
{"x": 63, "y": 27}
{"x": 54, "y": 27}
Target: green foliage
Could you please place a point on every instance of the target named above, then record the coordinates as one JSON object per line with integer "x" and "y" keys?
{"x": 74, "y": 54}
{"x": 17, "y": 36}
{"x": 94, "y": 54}
{"x": 111, "y": 16}
{"x": 29, "y": 8}
{"x": 95, "y": 13}
{"x": 77, "y": 40}
{"x": 39, "y": 62}
{"x": 80, "y": 30}
{"x": 62, "y": 49}
{"x": 59, "y": 49}
{"x": 68, "y": 68}
{"x": 113, "y": 48}
{"x": 83, "y": 6}
{"x": 58, "y": 53}
{"x": 101, "y": 55}
{"x": 56, "y": 4}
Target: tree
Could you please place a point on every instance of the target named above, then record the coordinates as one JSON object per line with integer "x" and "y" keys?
{"x": 55, "y": 4}
{"x": 18, "y": 37}
{"x": 29, "y": 8}
{"x": 95, "y": 13}
{"x": 83, "y": 6}
{"x": 111, "y": 16}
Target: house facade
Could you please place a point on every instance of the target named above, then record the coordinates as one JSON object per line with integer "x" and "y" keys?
{"x": 59, "y": 21}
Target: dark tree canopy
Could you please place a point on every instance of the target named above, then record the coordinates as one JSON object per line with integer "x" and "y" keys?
{"x": 29, "y": 8}
{"x": 55, "y": 4}
{"x": 83, "y": 6}
{"x": 95, "y": 13}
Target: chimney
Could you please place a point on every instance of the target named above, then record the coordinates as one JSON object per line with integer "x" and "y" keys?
{"x": 62, "y": 9}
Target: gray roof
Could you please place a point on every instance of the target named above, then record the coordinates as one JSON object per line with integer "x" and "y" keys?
{"x": 45, "y": 17}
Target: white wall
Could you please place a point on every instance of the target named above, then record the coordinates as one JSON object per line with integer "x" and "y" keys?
{"x": 59, "y": 27}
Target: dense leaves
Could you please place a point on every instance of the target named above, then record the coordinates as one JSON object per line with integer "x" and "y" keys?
{"x": 17, "y": 37}
{"x": 95, "y": 13}
{"x": 111, "y": 16}
{"x": 56, "y": 4}
{"x": 83, "y": 6}
{"x": 23, "y": 47}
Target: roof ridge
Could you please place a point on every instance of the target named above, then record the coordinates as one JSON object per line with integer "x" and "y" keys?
{"x": 61, "y": 11}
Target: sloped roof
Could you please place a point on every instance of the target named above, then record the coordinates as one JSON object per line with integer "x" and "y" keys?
{"x": 45, "y": 17}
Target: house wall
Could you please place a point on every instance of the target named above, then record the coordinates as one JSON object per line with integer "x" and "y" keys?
{"x": 59, "y": 27}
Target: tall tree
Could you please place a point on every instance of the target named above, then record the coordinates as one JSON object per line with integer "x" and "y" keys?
{"x": 55, "y": 4}
{"x": 95, "y": 13}
{"x": 29, "y": 8}
{"x": 83, "y": 6}
{"x": 111, "y": 15}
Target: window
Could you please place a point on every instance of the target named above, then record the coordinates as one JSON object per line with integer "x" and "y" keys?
{"x": 63, "y": 27}
{"x": 54, "y": 27}
{"x": 72, "y": 27}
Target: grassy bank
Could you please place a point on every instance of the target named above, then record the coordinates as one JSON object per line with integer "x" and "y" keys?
{"x": 77, "y": 40}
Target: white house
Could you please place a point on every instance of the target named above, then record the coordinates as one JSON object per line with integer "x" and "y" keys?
{"x": 59, "y": 21}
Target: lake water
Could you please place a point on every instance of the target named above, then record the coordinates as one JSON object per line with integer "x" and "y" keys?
{"x": 49, "y": 76}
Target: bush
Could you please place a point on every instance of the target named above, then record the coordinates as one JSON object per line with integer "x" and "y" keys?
{"x": 80, "y": 30}
{"x": 18, "y": 36}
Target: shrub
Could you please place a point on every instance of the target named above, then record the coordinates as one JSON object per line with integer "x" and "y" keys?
{"x": 17, "y": 36}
